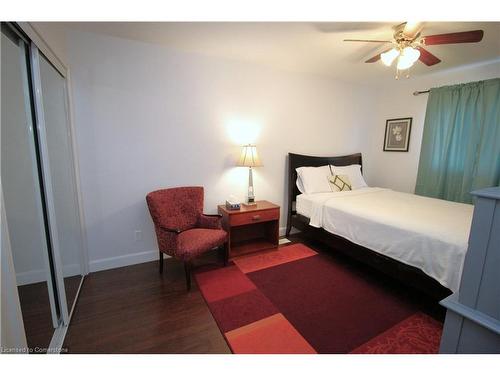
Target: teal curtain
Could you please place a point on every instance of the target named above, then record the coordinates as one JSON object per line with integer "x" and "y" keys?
{"x": 461, "y": 141}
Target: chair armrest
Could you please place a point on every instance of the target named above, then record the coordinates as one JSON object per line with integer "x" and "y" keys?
{"x": 172, "y": 230}
{"x": 210, "y": 221}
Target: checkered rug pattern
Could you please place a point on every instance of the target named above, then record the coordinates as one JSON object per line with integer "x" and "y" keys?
{"x": 295, "y": 301}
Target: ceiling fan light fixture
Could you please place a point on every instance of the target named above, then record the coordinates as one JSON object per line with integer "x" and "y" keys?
{"x": 408, "y": 58}
{"x": 404, "y": 63}
{"x": 389, "y": 56}
{"x": 408, "y": 45}
{"x": 412, "y": 53}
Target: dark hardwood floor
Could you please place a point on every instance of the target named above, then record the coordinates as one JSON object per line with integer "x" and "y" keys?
{"x": 136, "y": 310}
{"x": 71, "y": 285}
{"x": 35, "y": 308}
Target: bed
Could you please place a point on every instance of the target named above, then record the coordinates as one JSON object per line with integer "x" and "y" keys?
{"x": 418, "y": 240}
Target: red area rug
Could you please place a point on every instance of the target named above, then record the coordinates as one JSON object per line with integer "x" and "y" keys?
{"x": 294, "y": 300}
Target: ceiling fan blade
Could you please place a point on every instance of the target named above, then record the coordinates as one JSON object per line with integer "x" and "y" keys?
{"x": 412, "y": 29}
{"x": 367, "y": 40}
{"x": 452, "y": 38}
{"x": 427, "y": 58}
{"x": 399, "y": 27}
{"x": 376, "y": 57}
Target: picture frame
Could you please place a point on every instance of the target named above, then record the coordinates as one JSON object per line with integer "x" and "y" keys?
{"x": 397, "y": 134}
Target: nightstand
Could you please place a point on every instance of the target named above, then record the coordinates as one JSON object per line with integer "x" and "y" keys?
{"x": 251, "y": 228}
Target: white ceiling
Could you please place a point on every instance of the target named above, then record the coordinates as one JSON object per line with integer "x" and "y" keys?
{"x": 316, "y": 48}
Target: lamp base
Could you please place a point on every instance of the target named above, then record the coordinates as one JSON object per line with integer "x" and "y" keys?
{"x": 250, "y": 202}
{"x": 250, "y": 198}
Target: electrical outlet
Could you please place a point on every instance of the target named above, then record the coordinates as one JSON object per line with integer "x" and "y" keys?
{"x": 138, "y": 235}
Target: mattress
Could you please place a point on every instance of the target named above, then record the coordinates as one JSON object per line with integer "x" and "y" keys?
{"x": 427, "y": 233}
{"x": 304, "y": 203}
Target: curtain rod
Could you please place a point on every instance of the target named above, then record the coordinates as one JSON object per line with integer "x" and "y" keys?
{"x": 415, "y": 93}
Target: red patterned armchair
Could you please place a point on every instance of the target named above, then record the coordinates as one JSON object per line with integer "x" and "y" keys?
{"x": 182, "y": 230}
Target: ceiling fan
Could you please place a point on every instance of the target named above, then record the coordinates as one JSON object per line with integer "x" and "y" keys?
{"x": 408, "y": 45}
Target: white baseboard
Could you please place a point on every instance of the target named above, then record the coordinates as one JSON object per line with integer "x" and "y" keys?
{"x": 122, "y": 260}
{"x": 36, "y": 276}
{"x": 284, "y": 241}
{"x": 282, "y": 231}
{"x": 135, "y": 258}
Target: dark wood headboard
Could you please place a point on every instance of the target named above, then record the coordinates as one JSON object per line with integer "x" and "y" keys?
{"x": 297, "y": 160}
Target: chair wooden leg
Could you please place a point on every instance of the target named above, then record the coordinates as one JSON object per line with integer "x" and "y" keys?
{"x": 161, "y": 262}
{"x": 187, "y": 269}
{"x": 226, "y": 253}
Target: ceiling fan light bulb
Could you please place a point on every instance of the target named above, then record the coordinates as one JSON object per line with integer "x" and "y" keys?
{"x": 389, "y": 56}
{"x": 416, "y": 55}
{"x": 411, "y": 53}
{"x": 404, "y": 62}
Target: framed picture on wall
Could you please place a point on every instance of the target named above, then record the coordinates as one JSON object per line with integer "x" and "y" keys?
{"x": 397, "y": 134}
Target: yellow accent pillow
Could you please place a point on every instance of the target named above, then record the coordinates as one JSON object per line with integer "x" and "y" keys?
{"x": 339, "y": 182}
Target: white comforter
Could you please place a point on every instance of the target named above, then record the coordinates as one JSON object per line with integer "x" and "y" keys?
{"x": 430, "y": 234}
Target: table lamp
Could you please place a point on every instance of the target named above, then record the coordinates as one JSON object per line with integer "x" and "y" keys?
{"x": 250, "y": 159}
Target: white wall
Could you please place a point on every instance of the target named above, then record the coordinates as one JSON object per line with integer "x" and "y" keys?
{"x": 148, "y": 117}
{"x": 398, "y": 170}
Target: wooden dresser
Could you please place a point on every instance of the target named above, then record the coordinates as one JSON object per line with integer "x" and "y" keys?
{"x": 251, "y": 228}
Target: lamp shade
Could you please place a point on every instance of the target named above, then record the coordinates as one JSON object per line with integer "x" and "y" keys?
{"x": 249, "y": 157}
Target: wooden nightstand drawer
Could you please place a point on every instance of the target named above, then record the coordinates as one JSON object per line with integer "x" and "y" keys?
{"x": 254, "y": 217}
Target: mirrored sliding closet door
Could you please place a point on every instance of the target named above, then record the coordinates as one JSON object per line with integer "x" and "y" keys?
{"x": 39, "y": 189}
{"x": 60, "y": 162}
{"x": 23, "y": 196}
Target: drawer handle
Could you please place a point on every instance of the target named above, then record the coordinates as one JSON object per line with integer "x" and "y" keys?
{"x": 256, "y": 217}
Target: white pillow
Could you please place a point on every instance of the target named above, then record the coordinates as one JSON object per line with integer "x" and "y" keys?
{"x": 312, "y": 180}
{"x": 354, "y": 173}
{"x": 299, "y": 184}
